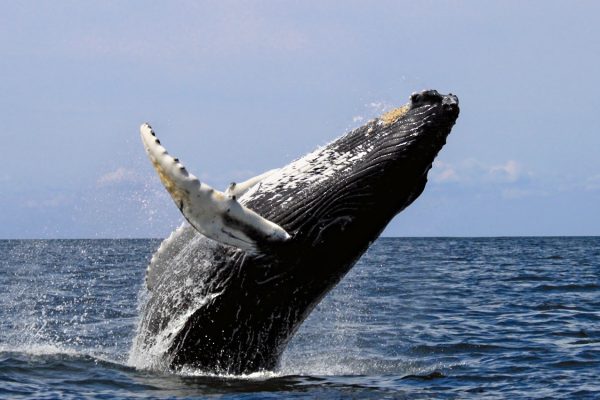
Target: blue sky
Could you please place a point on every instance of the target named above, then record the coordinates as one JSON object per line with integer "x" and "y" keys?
{"x": 236, "y": 88}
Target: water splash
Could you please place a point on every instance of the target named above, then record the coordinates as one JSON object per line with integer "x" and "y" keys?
{"x": 59, "y": 297}
{"x": 83, "y": 298}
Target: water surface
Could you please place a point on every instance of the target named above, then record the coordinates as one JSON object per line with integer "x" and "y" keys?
{"x": 415, "y": 318}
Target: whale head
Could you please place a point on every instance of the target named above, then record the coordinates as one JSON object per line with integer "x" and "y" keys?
{"x": 229, "y": 299}
{"x": 336, "y": 201}
{"x": 344, "y": 194}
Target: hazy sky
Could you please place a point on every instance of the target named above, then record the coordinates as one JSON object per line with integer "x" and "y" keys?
{"x": 236, "y": 88}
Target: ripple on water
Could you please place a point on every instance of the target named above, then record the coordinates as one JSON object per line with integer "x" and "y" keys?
{"x": 416, "y": 318}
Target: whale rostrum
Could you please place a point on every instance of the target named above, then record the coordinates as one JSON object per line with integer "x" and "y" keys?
{"x": 227, "y": 291}
{"x": 215, "y": 214}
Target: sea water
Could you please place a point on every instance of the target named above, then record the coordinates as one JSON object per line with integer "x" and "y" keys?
{"x": 415, "y": 318}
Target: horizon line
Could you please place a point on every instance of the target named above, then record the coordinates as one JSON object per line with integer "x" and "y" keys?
{"x": 380, "y": 237}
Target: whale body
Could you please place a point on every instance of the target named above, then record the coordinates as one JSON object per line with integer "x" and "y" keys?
{"x": 227, "y": 291}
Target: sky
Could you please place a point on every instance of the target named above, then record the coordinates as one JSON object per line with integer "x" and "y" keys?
{"x": 236, "y": 88}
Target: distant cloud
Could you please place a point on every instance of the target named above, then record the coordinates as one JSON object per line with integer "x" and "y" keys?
{"x": 511, "y": 180}
{"x": 592, "y": 183}
{"x": 444, "y": 172}
{"x": 472, "y": 171}
{"x": 118, "y": 176}
{"x": 507, "y": 172}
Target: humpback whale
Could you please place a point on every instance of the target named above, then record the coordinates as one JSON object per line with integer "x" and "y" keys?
{"x": 228, "y": 289}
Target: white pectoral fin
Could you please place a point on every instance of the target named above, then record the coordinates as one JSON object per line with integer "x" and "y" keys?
{"x": 238, "y": 189}
{"x": 212, "y": 213}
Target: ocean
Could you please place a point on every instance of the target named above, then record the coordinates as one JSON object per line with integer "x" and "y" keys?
{"x": 416, "y": 318}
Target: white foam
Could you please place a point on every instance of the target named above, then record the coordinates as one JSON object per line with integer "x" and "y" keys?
{"x": 39, "y": 349}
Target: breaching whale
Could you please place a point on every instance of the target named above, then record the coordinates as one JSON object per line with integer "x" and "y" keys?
{"x": 227, "y": 291}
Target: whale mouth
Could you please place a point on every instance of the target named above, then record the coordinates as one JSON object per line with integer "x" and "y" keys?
{"x": 437, "y": 112}
{"x": 423, "y": 101}
{"x": 449, "y": 101}
{"x": 425, "y": 113}
{"x": 447, "y": 104}
{"x": 424, "y": 123}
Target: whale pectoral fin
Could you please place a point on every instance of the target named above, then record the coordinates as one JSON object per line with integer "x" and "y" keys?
{"x": 209, "y": 211}
{"x": 238, "y": 189}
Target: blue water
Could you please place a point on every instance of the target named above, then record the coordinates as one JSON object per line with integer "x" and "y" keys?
{"x": 415, "y": 318}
